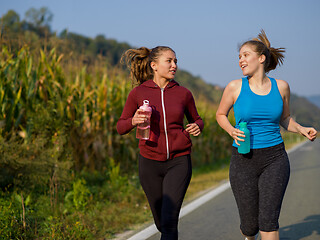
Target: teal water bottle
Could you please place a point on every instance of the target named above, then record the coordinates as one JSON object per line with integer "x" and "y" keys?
{"x": 244, "y": 147}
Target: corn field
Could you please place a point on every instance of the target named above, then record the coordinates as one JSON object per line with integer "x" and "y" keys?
{"x": 84, "y": 103}
{"x": 58, "y": 127}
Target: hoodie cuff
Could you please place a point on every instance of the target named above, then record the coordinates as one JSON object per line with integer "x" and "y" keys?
{"x": 200, "y": 124}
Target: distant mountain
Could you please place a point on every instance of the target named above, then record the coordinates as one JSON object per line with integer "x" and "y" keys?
{"x": 315, "y": 99}
{"x": 305, "y": 112}
{"x": 199, "y": 88}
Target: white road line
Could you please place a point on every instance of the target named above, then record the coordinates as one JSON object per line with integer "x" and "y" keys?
{"x": 203, "y": 199}
{"x": 151, "y": 230}
{"x": 146, "y": 233}
{"x": 297, "y": 146}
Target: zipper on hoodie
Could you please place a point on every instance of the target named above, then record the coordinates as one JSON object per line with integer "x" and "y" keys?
{"x": 164, "y": 121}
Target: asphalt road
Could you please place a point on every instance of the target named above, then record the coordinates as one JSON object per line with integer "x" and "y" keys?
{"x": 300, "y": 216}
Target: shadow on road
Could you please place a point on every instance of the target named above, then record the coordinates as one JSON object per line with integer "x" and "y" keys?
{"x": 310, "y": 226}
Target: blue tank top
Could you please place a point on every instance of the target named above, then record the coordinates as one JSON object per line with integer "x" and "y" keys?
{"x": 262, "y": 114}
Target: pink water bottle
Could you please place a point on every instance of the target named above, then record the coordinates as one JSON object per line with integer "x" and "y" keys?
{"x": 143, "y": 129}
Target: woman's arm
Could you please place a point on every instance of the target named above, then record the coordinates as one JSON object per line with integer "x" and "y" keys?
{"x": 229, "y": 96}
{"x": 286, "y": 120}
{"x": 124, "y": 124}
{"x": 130, "y": 116}
{"x": 195, "y": 125}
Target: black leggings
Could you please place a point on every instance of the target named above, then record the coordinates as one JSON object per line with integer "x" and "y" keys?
{"x": 165, "y": 184}
{"x": 258, "y": 181}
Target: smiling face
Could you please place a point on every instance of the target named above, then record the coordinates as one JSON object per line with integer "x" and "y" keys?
{"x": 249, "y": 61}
{"x": 165, "y": 66}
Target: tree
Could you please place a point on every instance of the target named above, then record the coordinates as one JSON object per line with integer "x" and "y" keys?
{"x": 10, "y": 21}
{"x": 39, "y": 18}
{"x": 38, "y": 21}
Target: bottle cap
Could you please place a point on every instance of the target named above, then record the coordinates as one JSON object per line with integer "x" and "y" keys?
{"x": 145, "y": 106}
{"x": 243, "y": 124}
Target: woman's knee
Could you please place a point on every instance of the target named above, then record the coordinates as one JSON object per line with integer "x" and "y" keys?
{"x": 249, "y": 230}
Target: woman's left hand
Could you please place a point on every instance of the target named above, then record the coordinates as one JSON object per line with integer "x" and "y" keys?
{"x": 193, "y": 129}
{"x": 309, "y": 133}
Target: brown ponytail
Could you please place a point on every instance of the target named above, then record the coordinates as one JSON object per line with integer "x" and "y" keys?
{"x": 138, "y": 60}
{"x": 274, "y": 56}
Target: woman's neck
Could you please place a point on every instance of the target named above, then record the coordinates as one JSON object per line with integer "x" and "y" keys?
{"x": 161, "y": 82}
{"x": 259, "y": 78}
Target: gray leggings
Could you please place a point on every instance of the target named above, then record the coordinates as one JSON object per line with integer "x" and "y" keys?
{"x": 259, "y": 180}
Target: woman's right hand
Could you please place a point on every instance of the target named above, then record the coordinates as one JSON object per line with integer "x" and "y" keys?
{"x": 235, "y": 134}
{"x": 138, "y": 118}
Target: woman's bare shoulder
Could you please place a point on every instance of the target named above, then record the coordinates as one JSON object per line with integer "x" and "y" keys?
{"x": 232, "y": 90}
{"x": 283, "y": 87}
{"x": 234, "y": 84}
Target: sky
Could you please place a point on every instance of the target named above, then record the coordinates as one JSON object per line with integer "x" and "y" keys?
{"x": 205, "y": 34}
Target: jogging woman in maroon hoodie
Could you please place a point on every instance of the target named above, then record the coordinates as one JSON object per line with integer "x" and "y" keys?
{"x": 164, "y": 159}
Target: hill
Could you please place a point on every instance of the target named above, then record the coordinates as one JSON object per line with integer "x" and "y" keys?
{"x": 315, "y": 99}
{"x": 305, "y": 112}
{"x": 201, "y": 90}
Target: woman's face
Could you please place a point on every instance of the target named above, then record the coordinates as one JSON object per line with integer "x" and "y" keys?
{"x": 166, "y": 65}
{"x": 249, "y": 61}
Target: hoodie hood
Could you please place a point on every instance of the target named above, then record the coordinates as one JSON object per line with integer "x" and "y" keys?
{"x": 151, "y": 84}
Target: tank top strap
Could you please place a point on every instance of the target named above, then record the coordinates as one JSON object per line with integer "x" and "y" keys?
{"x": 245, "y": 85}
{"x": 273, "y": 82}
{"x": 274, "y": 87}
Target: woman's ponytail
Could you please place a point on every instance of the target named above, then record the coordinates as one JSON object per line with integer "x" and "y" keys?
{"x": 138, "y": 62}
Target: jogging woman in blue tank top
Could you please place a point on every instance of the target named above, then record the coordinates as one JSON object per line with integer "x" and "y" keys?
{"x": 259, "y": 179}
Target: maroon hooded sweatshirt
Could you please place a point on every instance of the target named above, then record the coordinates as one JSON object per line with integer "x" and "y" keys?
{"x": 168, "y": 138}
